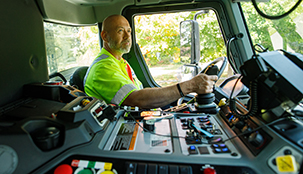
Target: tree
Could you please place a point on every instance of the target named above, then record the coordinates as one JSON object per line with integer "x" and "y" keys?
{"x": 261, "y": 29}
{"x": 159, "y": 38}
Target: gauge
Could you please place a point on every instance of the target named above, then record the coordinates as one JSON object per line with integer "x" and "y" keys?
{"x": 8, "y": 159}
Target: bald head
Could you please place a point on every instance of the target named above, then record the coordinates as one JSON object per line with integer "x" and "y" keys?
{"x": 116, "y": 34}
{"x": 109, "y": 22}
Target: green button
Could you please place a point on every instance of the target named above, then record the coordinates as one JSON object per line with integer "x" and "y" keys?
{"x": 85, "y": 171}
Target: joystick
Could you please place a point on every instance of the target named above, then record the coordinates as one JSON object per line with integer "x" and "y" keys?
{"x": 205, "y": 102}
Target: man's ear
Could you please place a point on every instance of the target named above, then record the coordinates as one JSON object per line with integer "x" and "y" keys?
{"x": 104, "y": 36}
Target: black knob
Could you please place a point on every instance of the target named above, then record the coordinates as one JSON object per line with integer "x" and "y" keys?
{"x": 256, "y": 139}
{"x": 149, "y": 126}
{"x": 287, "y": 152}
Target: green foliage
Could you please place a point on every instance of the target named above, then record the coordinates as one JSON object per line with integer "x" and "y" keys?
{"x": 262, "y": 29}
{"x": 159, "y": 38}
{"x": 211, "y": 42}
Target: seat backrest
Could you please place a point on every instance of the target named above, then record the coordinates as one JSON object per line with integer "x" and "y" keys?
{"x": 77, "y": 78}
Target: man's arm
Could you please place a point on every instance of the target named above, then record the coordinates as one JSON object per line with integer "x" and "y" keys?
{"x": 148, "y": 98}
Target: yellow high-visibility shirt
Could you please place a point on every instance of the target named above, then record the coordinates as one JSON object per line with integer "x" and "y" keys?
{"x": 107, "y": 79}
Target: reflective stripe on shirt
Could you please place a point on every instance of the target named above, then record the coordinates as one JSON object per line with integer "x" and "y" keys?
{"x": 122, "y": 93}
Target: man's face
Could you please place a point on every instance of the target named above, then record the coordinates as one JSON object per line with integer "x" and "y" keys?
{"x": 119, "y": 38}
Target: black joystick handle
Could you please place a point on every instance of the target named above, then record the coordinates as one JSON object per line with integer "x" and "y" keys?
{"x": 208, "y": 98}
{"x": 212, "y": 70}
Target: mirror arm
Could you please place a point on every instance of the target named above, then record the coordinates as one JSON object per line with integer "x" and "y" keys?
{"x": 196, "y": 66}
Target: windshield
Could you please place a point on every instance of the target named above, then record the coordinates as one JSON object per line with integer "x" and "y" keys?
{"x": 158, "y": 36}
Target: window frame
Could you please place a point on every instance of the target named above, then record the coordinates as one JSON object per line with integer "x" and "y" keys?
{"x": 135, "y": 57}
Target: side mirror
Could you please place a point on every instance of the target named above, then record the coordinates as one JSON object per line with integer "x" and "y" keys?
{"x": 190, "y": 41}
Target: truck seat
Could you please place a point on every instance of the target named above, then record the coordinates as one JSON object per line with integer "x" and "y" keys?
{"x": 77, "y": 78}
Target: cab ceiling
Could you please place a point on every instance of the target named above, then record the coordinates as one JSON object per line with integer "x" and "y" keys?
{"x": 91, "y": 2}
{"x": 85, "y": 12}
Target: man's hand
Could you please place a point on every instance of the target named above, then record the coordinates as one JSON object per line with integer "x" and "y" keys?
{"x": 157, "y": 97}
{"x": 203, "y": 84}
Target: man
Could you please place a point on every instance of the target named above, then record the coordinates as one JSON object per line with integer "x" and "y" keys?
{"x": 110, "y": 77}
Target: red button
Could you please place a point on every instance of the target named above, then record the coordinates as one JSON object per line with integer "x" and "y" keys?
{"x": 187, "y": 112}
{"x": 64, "y": 169}
{"x": 209, "y": 171}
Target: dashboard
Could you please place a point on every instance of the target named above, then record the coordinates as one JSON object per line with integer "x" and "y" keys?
{"x": 63, "y": 131}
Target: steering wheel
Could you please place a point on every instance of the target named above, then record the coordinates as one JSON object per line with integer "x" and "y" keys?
{"x": 57, "y": 74}
{"x": 211, "y": 69}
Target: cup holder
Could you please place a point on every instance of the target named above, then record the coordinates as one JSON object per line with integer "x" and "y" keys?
{"x": 46, "y": 138}
{"x": 46, "y": 134}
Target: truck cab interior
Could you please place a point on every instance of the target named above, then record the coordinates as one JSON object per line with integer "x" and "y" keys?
{"x": 250, "y": 124}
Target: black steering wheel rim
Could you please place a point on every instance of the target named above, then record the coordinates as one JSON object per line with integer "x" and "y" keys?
{"x": 57, "y": 74}
{"x": 224, "y": 63}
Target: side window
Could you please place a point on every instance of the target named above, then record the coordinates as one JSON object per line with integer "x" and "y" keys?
{"x": 285, "y": 33}
{"x": 68, "y": 46}
{"x": 158, "y": 36}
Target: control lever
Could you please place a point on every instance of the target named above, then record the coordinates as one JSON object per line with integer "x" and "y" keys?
{"x": 205, "y": 102}
{"x": 149, "y": 122}
{"x": 209, "y": 135}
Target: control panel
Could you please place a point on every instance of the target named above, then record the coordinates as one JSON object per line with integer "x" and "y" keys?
{"x": 202, "y": 136}
{"x": 86, "y": 135}
{"x": 254, "y": 137}
{"x": 131, "y": 136}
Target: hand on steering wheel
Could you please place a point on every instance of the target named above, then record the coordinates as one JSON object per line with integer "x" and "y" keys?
{"x": 211, "y": 69}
